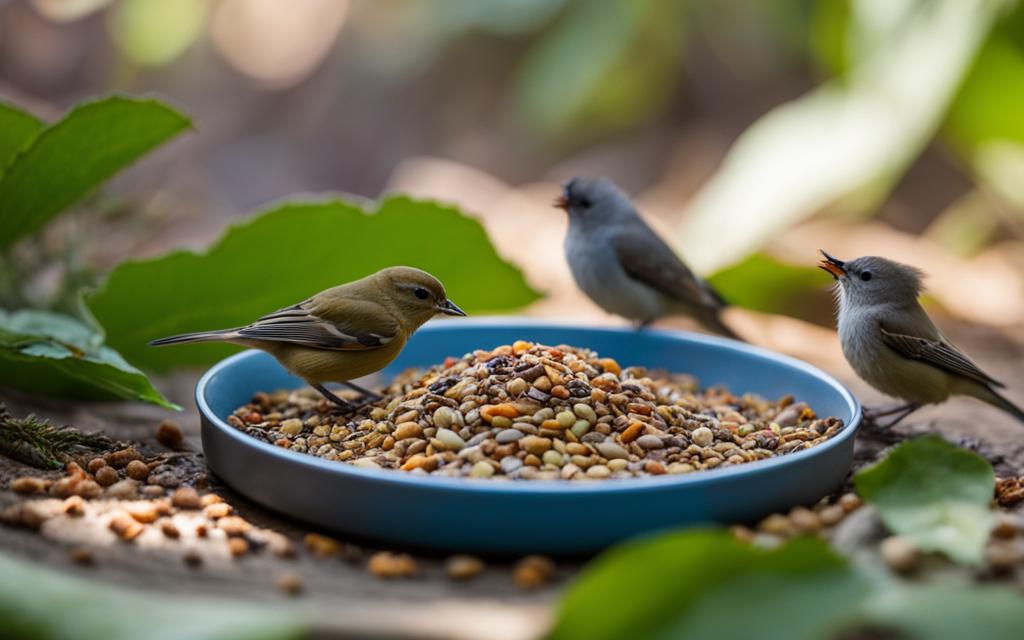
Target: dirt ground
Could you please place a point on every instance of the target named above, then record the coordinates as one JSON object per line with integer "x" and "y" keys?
{"x": 341, "y": 598}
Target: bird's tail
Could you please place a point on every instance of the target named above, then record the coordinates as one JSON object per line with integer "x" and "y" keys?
{"x": 712, "y": 321}
{"x": 199, "y": 336}
{"x": 994, "y": 398}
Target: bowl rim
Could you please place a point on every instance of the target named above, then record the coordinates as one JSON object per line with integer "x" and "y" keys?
{"x": 546, "y": 487}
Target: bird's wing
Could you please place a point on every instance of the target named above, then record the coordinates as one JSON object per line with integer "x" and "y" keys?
{"x": 300, "y": 325}
{"x": 937, "y": 353}
{"x": 646, "y": 258}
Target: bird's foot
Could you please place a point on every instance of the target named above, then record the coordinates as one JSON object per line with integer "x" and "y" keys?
{"x": 640, "y": 325}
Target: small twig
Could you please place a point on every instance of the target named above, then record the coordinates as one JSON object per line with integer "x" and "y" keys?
{"x": 38, "y": 443}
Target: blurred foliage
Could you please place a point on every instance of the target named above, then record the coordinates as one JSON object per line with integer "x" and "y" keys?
{"x": 603, "y": 67}
{"x": 156, "y": 32}
{"x": 67, "y": 160}
{"x": 682, "y": 585}
{"x": 46, "y": 169}
{"x": 934, "y": 494}
{"x": 41, "y": 604}
{"x": 689, "y": 586}
{"x": 17, "y": 130}
{"x": 764, "y": 284}
{"x": 692, "y": 584}
{"x": 849, "y": 140}
{"x": 57, "y": 355}
{"x": 287, "y": 254}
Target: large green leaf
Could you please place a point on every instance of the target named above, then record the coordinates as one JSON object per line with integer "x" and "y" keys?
{"x": 847, "y": 141}
{"x": 41, "y": 604}
{"x": 935, "y": 494}
{"x": 948, "y": 612}
{"x": 705, "y": 584}
{"x": 17, "y": 130}
{"x": 683, "y": 585}
{"x": 74, "y": 156}
{"x": 54, "y": 354}
{"x": 287, "y": 254}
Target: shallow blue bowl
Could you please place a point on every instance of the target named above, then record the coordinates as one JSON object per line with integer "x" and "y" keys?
{"x": 531, "y": 516}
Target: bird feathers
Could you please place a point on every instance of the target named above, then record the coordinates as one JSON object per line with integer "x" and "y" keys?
{"x": 937, "y": 353}
{"x": 647, "y": 259}
{"x": 299, "y": 324}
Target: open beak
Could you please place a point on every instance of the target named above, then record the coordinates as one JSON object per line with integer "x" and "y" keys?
{"x": 832, "y": 264}
{"x": 449, "y": 308}
{"x": 561, "y": 202}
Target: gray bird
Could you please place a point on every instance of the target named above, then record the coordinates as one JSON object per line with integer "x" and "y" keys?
{"x": 624, "y": 266}
{"x": 893, "y": 345}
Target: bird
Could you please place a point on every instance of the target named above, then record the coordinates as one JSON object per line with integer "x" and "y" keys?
{"x": 624, "y": 266}
{"x": 892, "y": 344}
{"x": 344, "y": 332}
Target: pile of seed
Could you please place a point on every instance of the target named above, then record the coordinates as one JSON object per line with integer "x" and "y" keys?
{"x": 528, "y": 411}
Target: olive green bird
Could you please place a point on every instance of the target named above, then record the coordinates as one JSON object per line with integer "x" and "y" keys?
{"x": 344, "y": 332}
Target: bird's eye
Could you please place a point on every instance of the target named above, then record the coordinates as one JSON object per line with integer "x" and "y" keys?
{"x": 865, "y": 275}
{"x": 421, "y": 293}
{"x": 584, "y": 203}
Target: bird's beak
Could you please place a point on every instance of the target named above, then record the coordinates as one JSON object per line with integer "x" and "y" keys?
{"x": 561, "y": 202}
{"x": 832, "y": 264}
{"x": 449, "y": 308}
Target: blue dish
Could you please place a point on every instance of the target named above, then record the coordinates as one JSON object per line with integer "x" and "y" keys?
{"x": 481, "y": 516}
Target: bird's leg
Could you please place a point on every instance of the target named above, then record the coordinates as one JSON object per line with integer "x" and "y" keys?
{"x": 900, "y": 412}
{"x": 873, "y": 413}
{"x": 368, "y": 396}
{"x": 325, "y": 392}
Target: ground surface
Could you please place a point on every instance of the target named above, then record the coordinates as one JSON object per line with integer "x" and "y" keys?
{"x": 343, "y": 599}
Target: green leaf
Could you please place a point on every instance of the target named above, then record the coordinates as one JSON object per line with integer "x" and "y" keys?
{"x": 762, "y": 283}
{"x": 847, "y": 141}
{"x": 53, "y": 354}
{"x": 948, "y": 612}
{"x": 40, "y": 604}
{"x": 17, "y": 130}
{"x": 287, "y": 254}
{"x": 71, "y": 158}
{"x": 705, "y": 584}
{"x": 689, "y": 585}
{"x": 934, "y": 494}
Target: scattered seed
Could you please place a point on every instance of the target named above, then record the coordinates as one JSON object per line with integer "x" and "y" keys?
{"x": 463, "y": 567}
{"x": 81, "y": 556}
{"x": 532, "y": 572}
{"x": 385, "y": 564}
{"x": 30, "y": 484}
{"x": 899, "y": 554}
{"x": 290, "y": 583}
{"x": 169, "y": 529}
{"x": 321, "y": 546}
{"x": 74, "y": 506}
{"x": 169, "y": 434}
{"x": 185, "y": 498}
{"x": 238, "y": 547}
{"x": 126, "y": 527}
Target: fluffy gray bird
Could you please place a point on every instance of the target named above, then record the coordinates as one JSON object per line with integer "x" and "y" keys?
{"x": 893, "y": 345}
{"x": 624, "y": 266}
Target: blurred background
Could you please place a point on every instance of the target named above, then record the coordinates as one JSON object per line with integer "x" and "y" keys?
{"x": 751, "y": 134}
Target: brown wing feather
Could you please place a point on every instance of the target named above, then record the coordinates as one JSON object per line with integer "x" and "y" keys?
{"x": 301, "y": 326}
{"x": 646, "y": 258}
{"x": 936, "y": 353}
